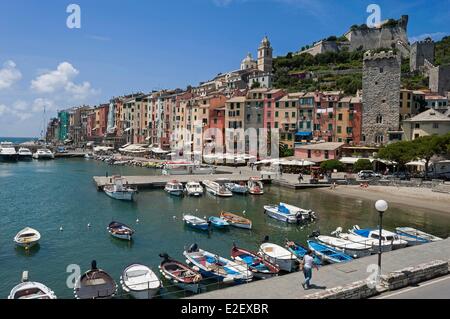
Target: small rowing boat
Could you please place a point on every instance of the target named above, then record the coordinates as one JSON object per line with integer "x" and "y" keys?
{"x": 180, "y": 274}
{"x": 218, "y": 222}
{"x": 195, "y": 222}
{"x": 140, "y": 282}
{"x": 95, "y": 284}
{"x": 236, "y": 220}
{"x": 120, "y": 231}
{"x": 300, "y": 251}
{"x": 27, "y": 237}
{"x": 328, "y": 254}
{"x": 416, "y": 235}
{"x": 30, "y": 290}
{"x": 279, "y": 256}
{"x": 261, "y": 268}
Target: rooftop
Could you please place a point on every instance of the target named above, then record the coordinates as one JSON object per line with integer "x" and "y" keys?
{"x": 329, "y": 146}
{"x": 430, "y": 116}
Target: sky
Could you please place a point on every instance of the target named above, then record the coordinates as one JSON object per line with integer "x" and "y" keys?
{"x": 139, "y": 45}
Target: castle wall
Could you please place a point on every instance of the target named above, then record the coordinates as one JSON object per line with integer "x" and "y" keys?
{"x": 421, "y": 51}
{"x": 440, "y": 79}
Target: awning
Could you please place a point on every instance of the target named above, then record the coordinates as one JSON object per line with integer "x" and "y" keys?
{"x": 416, "y": 163}
{"x": 159, "y": 151}
{"x": 303, "y": 134}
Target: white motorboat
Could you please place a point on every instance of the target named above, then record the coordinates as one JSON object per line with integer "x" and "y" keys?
{"x": 25, "y": 154}
{"x": 373, "y": 243}
{"x": 237, "y": 188}
{"x": 43, "y": 154}
{"x": 386, "y": 236}
{"x": 31, "y": 290}
{"x": 174, "y": 188}
{"x": 415, "y": 236}
{"x": 194, "y": 189}
{"x": 8, "y": 152}
{"x": 356, "y": 250}
{"x": 216, "y": 189}
{"x": 27, "y": 237}
{"x": 289, "y": 213}
{"x": 196, "y": 222}
{"x": 119, "y": 189}
{"x": 89, "y": 156}
{"x": 140, "y": 281}
{"x": 255, "y": 186}
{"x": 279, "y": 256}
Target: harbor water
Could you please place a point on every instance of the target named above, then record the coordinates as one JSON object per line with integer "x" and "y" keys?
{"x": 48, "y": 195}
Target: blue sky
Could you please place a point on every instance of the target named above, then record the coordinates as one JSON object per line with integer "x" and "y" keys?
{"x": 139, "y": 45}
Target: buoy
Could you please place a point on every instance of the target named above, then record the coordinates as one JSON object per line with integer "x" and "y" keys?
{"x": 137, "y": 221}
{"x": 61, "y": 228}
{"x": 89, "y": 225}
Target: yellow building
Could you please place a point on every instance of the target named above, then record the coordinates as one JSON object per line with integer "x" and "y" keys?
{"x": 286, "y": 115}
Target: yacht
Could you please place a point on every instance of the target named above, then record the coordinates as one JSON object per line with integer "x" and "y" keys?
{"x": 8, "y": 152}
{"x": 43, "y": 154}
{"x": 216, "y": 189}
{"x": 25, "y": 154}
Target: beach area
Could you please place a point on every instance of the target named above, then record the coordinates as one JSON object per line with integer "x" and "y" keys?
{"x": 415, "y": 197}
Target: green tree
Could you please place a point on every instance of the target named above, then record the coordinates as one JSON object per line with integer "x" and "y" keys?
{"x": 362, "y": 165}
{"x": 426, "y": 147}
{"x": 285, "y": 151}
{"x": 256, "y": 85}
{"x": 332, "y": 165}
{"x": 400, "y": 152}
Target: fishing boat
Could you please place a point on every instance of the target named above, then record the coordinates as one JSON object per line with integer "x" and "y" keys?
{"x": 140, "y": 282}
{"x": 120, "y": 231}
{"x": 95, "y": 284}
{"x": 194, "y": 189}
{"x": 43, "y": 154}
{"x": 196, "y": 222}
{"x": 289, "y": 213}
{"x": 180, "y": 274}
{"x": 119, "y": 189}
{"x": 279, "y": 256}
{"x": 373, "y": 243}
{"x": 8, "y": 152}
{"x": 174, "y": 188}
{"x": 31, "y": 290}
{"x": 236, "y": 221}
{"x": 255, "y": 186}
{"x": 262, "y": 269}
{"x": 328, "y": 254}
{"x": 415, "y": 235}
{"x": 24, "y": 154}
{"x": 300, "y": 251}
{"x": 218, "y": 222}
{"x": 386, "y": 236}
{"x": 216, "y": 189}
{"x": 237, "y": 188}
{"x": 27, "y": 237}
{"x": 220, "y": 268}
{"x": 356, "y": 250}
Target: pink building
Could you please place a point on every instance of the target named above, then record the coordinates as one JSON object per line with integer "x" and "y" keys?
{"x": 319, "y": 152}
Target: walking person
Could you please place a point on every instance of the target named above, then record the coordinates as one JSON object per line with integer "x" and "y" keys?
{"x": 307, "y": 267}
{"x": 300, "y": 178}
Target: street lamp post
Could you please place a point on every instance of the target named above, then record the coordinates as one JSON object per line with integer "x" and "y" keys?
{"x": 381, "y": 206}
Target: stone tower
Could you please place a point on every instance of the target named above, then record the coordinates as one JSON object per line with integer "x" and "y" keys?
{"x": 381, "y": 98}
{"x": 265, "y": 56}
{"x": 421, "y": 51}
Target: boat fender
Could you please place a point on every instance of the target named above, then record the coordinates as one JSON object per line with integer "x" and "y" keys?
{"x": 196, "y": 268}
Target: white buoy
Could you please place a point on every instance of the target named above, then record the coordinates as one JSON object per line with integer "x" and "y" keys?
{"x": 61, "y": 228}
{"x": 174, "y": 217}
{"x": 137, "y": 221}
{"x": 244, "y": 212}
{"x": 89, "y": 225}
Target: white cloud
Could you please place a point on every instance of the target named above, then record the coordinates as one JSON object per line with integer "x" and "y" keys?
{"x": 80, "y": 92}
{"x": 20, "y": 105}
{"x": 40, "y": 104}
{"x": 3, "y": 109}
{"x": 16, "y": 111}
{"x": 54, "y": 80}
{"x": 9, "y": 75}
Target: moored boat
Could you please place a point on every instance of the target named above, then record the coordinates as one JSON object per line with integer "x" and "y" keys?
{"x": 8, "y": 152}
{"x": 31, "y": 290}
{"x": 279, "y": 256}
{"x": 43, "y": 154}
{"x": 216, "y": 189}
{"x": 196, "y": 222}
{"x": 194, "y": 189}
{"x": 260, "y": 267}
{"x": 386, "y": 236}
{"x": 140, "y": 281}
{"x": 95, "y": 284}
{"x": 355, "y": 250}
{"x": 120, "y": 230}
{"x": 416, "y": 235}
{"x": 300, "y": 251}
{"x": 237, "y": 188}
{"x": 180, "y": 274}
{"x": 220, "y": 268}
{"x": 328, "y": 254}
{"x": 27, "y": 237}
{"x": 24, "y": 154}
{"x": 174, "y": 188}
{"x": 289, "y": 213}
{"x": 373, "y": 243}
{"x": 255, "y": 186}
{"x": 119, "y": 189}
{"x": 236, "y": 220}
{"x": 218, "y": 222}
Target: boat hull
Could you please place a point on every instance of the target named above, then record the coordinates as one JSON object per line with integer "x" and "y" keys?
{"x": 125, "y": 196}
{"x": 288, "y": 265}
{"x": 9, "y": 158}
{"x": 192, "y": 287}
{"x": 273, "y": 213}
{"x": 139, "y": 294}
{"x": 177, "y": 193}
{"x": 121, "y": 236}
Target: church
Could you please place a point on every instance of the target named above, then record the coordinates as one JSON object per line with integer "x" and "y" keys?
{"x": 260, "y": 70}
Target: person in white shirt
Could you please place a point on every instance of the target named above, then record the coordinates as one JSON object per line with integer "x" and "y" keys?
{"x": 307, "y": 266}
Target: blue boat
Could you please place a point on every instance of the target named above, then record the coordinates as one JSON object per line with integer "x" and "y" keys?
{"x": 218, "y": 222}
{"x": 300, "y": 251}
{"x": 196, "y": 222}
{"x": 328, "y": 254}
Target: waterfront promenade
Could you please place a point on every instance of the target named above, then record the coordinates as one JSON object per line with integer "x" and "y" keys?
{"x": 289, "y": 286}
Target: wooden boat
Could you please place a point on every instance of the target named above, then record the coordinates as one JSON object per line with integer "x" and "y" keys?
{"x": 174, "y": 188}
{"x": 328, "y": 254}
{"x": 216, "y": 189}
{"x": 220, "y": 268}
{"x": 194, "y": 189}
{"x": 255, "y": 186}
{"x": 237, "y": 188}
{"x": 218, "y": 222}
{"x": 261, "y": 268}
{"x": 386, "y": 236}
{"x": 180, "y": 274}
{"x": 195, "y": 222}
{"x": 95, "y": 284}
{"x": 300, "y": 251}
{"x": 120, "y": 231}
{"x": 279, "y": 256}
{"x": 356, "y": 250}
{"x": 31, "y": 290}
{"x": 119, "y": 189}
{"x": 236, "y": 221}
{"x": 27, "y": 237}
{"x": 415, "y": 236}
{"x": 140, "y": 282}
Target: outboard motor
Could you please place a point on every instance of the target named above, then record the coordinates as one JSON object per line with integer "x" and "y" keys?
{"x": 164, "y": 256}
{"x": 315, "y": 234}
{"x": 266, "y": 239}
{"x": 299, "y": 218}
{"x": 193, "y": 248}
{"x": 94, "y": 265}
